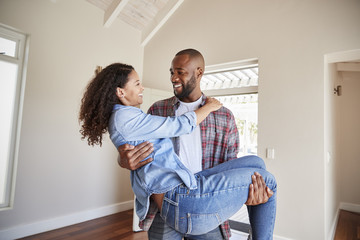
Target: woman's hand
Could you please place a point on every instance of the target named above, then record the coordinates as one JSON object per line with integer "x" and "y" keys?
{"x": 213, "y": 104}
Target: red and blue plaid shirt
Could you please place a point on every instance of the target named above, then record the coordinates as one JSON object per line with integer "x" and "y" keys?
{"x": 220, "y": 143}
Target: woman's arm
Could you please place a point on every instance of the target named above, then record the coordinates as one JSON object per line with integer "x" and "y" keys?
{"x": 134, "y": 125}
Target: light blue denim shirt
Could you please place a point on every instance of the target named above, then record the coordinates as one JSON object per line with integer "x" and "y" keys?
{"x": 131, "y": 125}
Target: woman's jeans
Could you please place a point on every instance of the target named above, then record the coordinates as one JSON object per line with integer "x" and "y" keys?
{"x": 221, "y": 192}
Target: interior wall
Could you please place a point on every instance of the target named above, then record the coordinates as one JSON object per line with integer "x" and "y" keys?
{"x": 290, "y": 39}
{"x": 58, "y": 173}
{"x": 349, "y": 137}
{"x": 332, "y": 151}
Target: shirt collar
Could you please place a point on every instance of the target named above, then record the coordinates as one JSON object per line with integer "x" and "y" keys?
{"x": 176, "y": 102}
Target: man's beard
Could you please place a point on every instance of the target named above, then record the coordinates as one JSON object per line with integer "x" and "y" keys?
{"x": 187, "y": 89}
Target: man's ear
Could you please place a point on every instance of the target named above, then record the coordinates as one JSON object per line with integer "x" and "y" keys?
{"x": 199, "y": 72}
{"x": 120, "y": 93}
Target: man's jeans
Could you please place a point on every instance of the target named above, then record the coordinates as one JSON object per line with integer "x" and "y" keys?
{"x": 161, "y": 231}
{"x": 221, "y": 192}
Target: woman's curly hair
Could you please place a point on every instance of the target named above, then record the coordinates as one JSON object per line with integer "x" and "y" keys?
{"x": 99, "y": 99}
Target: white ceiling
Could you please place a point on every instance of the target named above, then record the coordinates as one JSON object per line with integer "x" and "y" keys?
{"x": 147, "y": 16}
{"x": 352, "y": 66}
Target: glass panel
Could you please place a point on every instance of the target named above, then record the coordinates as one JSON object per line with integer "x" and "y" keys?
{"x": 245, "y": 110}
{"x": 230, "y": 79}
{"x": 8, "y": 73}
{"x": 7, "y": 47}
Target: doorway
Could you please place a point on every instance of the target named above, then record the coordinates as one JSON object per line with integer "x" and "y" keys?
{"x": 342, "y": 135}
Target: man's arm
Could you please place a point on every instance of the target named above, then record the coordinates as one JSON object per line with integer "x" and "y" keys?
{"x": 131, "y": 157}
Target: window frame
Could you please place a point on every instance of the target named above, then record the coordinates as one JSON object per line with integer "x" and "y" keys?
{"x": 237, "y": 222}
{"x": 231, "y": 66}
{"x": 20, "y": 59}
{"x": 234, "y": 91}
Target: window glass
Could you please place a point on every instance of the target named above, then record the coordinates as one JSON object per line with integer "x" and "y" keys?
{"x": 237, "y": 90}
{"x": 245, "y": 110}
{"x": 230, "y": 79}
{"x": 7, "y": 47}
{"x": 13, "y": 46}
{"x": 8, "y": 73}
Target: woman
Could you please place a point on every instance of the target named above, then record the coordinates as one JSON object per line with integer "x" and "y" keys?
{"x": 190, "y": 203}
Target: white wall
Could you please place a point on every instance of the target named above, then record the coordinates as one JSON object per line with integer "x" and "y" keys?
{"x": 290, "y": 39}
{"x": 349, "y": 137}
{"x": 332, "y": 179}
{"x": 58, "y": 174}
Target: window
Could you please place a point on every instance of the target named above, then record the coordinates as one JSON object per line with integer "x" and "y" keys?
{"x": 12, "y": 65}
{"x": 236, "y": 86}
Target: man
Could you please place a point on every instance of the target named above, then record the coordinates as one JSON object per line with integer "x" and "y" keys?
{"x": 214, "y": 141}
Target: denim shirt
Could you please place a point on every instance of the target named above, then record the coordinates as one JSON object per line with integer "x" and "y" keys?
{"x": 131, "y": 125}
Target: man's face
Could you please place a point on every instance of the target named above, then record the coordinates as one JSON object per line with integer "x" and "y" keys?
{"x": 183, "y": 78}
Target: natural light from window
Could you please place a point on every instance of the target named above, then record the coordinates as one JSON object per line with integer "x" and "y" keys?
{"x": 12, "y": 80}
{"x": 245, "y": 110}
{"x": 8, "y": 47}
{"x": 237, "y": 90}
{"x": 8, "y": 73}
{"x": 236, "y": 86}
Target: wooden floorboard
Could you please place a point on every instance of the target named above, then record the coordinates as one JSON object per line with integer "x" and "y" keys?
{"x": 348, "y": 227}
{"x": 119, "y": 227}
{"x": 113, "y": 227}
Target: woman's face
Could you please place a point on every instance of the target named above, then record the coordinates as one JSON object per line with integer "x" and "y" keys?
{"x": 132, "y": 93}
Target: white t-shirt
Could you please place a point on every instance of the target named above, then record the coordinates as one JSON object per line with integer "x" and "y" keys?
{"x": 190, "y": 144}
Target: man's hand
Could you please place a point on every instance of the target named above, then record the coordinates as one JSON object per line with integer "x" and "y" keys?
{"x": 258, "y": 192}
{"x": 131, "y": 157}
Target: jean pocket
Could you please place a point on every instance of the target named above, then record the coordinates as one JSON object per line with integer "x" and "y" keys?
{"x": 202, "y": 223}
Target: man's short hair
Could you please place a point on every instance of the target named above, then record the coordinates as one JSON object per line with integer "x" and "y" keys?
{"x": 194, "y": 54}
{"x": 191, "y": 52}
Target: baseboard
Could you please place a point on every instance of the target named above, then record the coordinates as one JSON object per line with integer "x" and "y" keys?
{"x": 350, "y": 207}
{"x": 333, "y": 226}
{"x": 237, "y": 233}
{"x": 59, "y": 222}
{"x": 342, "y": 206}
{"x": 276, "y": 237}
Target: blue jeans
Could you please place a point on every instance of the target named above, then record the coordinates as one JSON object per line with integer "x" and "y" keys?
{"x": 221, "y": 192}
{"x": 159, "y": 230}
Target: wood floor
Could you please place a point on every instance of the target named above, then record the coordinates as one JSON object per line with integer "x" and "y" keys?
{"x": 119, "y": 227}
{"x": 113, "y": 227}
{"x": 348, "y": 227}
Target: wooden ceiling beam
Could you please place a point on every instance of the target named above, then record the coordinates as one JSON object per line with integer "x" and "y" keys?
{"x": 113, "y": 11}
{"x": 159, "y": 20}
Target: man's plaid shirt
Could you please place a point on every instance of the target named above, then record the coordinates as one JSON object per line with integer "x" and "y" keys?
{"x": 220, "y": 142}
